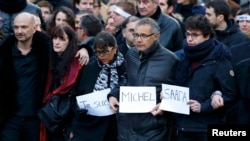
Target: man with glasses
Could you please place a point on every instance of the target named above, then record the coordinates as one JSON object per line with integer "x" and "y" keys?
{"x": 148, "y": 64}
{"x": 171, "y": 32}
{"x": 89, "y": 27}
{"x": 205, "y": 69}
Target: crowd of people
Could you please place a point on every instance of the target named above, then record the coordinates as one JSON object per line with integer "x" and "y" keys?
{"x": 70, "y": 48}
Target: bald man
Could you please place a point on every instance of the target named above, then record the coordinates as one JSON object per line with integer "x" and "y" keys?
{"x": 23, "y": 67}
{"x": 24, "y": 59}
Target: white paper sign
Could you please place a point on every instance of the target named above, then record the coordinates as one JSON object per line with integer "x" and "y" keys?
{"x": 96, "y": 103}
{"x": 175, "y": 99}
{"x": 137, "y": 99}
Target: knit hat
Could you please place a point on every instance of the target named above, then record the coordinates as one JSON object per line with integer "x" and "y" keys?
{"x": 198, "y": 9}
{"x": 12, "y": 6}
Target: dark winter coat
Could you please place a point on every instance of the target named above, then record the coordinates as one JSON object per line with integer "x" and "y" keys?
{"x": 170, "y": 30}
{"x": 8, "y": 84}
{"x": 241, "y": 64}
{"x": 213, "y": 72}
{"x": 9, "y": 10}
{"x": 232, "y": 35}
{"x": 87, "y": 127}
{"x": 156, "y": 65}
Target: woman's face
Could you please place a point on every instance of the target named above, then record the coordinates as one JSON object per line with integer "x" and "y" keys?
{"x": 106, "y": 55}
{"x": 60, "y": 44}
{"x": 110, "y": 27}
{"x": 61, "y": 19}
{"x": 244, "y": 25}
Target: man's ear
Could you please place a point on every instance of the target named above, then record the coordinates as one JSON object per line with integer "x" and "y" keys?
{"x": 123, "y": 33}
{"x": 220, "y": 18}
{"x": 156, "y": 36}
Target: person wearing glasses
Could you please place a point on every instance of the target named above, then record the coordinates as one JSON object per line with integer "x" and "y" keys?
{"x": 207, "y": 71}
{"x": 105, "y": 70}
{"x": 147, "y": 64}
{"x": 89, "y": 27}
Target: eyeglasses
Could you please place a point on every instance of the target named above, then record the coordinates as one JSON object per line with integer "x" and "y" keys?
{"x": 192, "y": 35}
{"x": 142, "y": 36}
{"x": 103, "y": 52}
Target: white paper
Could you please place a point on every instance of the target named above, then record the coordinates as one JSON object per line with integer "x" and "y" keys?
{"x": 175, "y": 99}
{"x": 137, "y": 99}
{"x": 96, "y": 103}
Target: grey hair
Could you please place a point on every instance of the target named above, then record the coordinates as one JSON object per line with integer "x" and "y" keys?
{"x": 152, "y": 23}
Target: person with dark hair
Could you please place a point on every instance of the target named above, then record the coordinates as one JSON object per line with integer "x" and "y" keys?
{"x": 24, "y": 66}
{"x": 46, "y": 8}
{"x": 58, "y": 3}
{"x": 205, "y": 61}
{"x": 141, "y": 69}
{"x": 110, "y": 26}
{"x": 171, "y": 34}
{"x": 105, "y": 70}
{"x": 123, "y": 9}
{"x": 62, "y": 15}
{"x": 24, "y": 59}
{"x": 168, "y": 6}
{"x": 243, "y": 20}
{"x": 84, "y": 5}
{"x": 187, "y": 8}
{"x": 128, "y": 28}
{"x": 63, "y": 70}
{"x": 90, "y": 26}
{"x": 227, "y": 30}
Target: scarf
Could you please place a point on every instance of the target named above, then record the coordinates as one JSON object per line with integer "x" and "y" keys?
{"x": 68, "y": 82}
{"x": 192, "y": 54}
{"x": 103, "y": 81}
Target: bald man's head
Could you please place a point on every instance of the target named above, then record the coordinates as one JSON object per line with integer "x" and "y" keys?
{"x": 25, "y": 17}
{"x": 24, "y": 26}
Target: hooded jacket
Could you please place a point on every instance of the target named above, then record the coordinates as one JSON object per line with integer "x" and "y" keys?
{"x": 232, "y": 35}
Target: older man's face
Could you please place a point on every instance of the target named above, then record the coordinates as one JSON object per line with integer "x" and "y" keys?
{"x": 146, "y": 8}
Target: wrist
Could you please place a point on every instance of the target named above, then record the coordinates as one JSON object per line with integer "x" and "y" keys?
{"x": 216, "y": 93}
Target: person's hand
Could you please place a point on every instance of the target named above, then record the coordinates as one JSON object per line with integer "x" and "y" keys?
{"x": 156, "y": 110}
{"x": 161, "y": 96}
{"x": 195, "y": 106}
{"x": 83, "y": 56}
{"x": 113, "y": 104}
{"x": 217, "y": 101}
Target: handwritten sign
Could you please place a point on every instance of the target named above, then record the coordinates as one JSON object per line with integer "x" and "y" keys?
{"x": 137, "y": 99}
{"x": 96, "y": 103}
{"x": 175, "y": 99}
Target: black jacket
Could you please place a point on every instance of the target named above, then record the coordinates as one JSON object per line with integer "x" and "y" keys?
{"x": 170, "y": 30}
{"x": 87, "y": 127}
{"x": 156, "y": 65}
{"x": 241, "y": 64}
{"x": 214, "y": 72}
{"x": 232, "y": 35}
{"x": 8, "y": 86}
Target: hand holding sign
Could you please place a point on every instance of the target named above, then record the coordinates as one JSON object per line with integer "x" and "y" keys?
{"x": 96, "y": 103}
{"x": 175, "y": 98}
{"x": 137, "y": 99}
